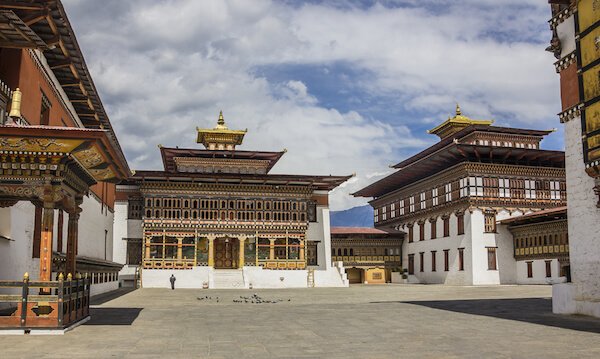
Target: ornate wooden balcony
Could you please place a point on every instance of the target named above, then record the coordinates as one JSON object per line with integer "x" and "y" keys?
{"x": 59, "y": 304}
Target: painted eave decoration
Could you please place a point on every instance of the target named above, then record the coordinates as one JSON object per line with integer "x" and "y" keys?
{"x": 90, "y": 148}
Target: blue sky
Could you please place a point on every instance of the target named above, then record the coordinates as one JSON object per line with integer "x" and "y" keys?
{"x": 345, "y": 86}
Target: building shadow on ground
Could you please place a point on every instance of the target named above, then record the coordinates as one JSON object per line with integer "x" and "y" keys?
{"x": 530, "y": 310}
{"x": 107, "y": 297}
{"x": 113, "y": 316}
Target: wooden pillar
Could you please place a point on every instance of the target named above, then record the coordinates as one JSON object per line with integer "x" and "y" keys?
{"x": 211, "y": 250}
{"x": 46, "y": 243}
{"x": 72, "y": 237}
{"x": 302, "y": 243}
{"x": 147, "y": 248}
{"x": 242, "y": 240}
{"x": 272, "y": 248}
{"x": 179, "y": 249}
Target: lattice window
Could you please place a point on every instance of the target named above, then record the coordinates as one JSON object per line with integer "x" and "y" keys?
{"x": 554, "y": 190}
{"x": 412, "y": 204}
{"x": 134, "y": 209}
{"x": 376, "y": 215}
{"x": 489, "y": 222}
{"x": 530, "y": 192}
{"x": 434, "y": 196}
{"x": 393, "y": 210}
{"x": 476, "y": 186}
{"x": 448, "y": 188}
{"x": 423, "y": 200}
{"x": 504, "y": 187}
{"x": 384, "y": 213}
{"x": 402, "y": 205}
{"x": 464, "y": 187}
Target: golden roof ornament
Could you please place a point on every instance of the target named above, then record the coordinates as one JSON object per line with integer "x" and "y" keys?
{"x": 454, "y": 124}
{"x": 220, "y": 137}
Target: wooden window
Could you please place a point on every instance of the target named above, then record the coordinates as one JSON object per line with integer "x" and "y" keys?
{"x": 422, "y": 231}
{"x": 434, "y": 197}
{"x": 411, "y": 264}
{"x": 504, "y": 188}
{"x": 448, "y": 190}
{"x": 433, "y": 228}
{"x": 548, "y": 269}
{"x": 433, "y": 264}
{"x": 476, "y": 186}
{"x": 384, "y": 213}
{"x": 492, "y": 258}
{"x": 37, "y": 232}
{"x": 446, "y": 226}
{"x": 134, "y": 209}
{"x": 411, "y": 233}
{"x": 402, "y": 204}
{"x": 312, "y": 211}
{"x": 423, "y": 200}
{"x": 530, "y": 192}
{"x": 412, "y": 204}
{"x": 461, "y": 259}
{"x": 554, "y": 190}
{"x": 45, "y": 111}
{"x": 446, "y": 260}
{"x": 464, "y": 187}
{"x": 376, "y": 215}
{"x": 460, "y": 223}
{"x": 134, "y": 251}
{"x": 489, "y": 222}
{"x": 529, "y": 269}
{"x": 422, "y": 261}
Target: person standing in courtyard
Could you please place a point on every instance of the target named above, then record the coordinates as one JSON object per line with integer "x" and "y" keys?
{"x": 172, "y": 280}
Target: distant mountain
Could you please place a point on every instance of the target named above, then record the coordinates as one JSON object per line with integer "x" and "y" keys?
{"x": 361, "y": 216}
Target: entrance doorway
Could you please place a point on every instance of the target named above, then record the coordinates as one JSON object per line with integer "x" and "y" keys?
{"x": 226, "y": 253}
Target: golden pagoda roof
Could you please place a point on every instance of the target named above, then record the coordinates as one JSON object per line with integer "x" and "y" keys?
{"x": 454, "y": 124}
{"x": 221, "y": 134}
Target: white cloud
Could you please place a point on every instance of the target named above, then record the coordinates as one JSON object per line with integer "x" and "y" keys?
{"x": 165, "y": 67}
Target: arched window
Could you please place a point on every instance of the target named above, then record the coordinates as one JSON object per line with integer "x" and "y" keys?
{"x": 259, "y": 216}
{"x": 157, "y": 214}
{"x": 148, "y": 213}
{"x": 345, "y": 251}
{"x": 351, "y": 251}
{"x": 231, "y": 216}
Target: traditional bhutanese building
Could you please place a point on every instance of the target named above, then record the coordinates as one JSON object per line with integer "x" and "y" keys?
{"x": 217, "y": 218}
{"x": 449, "y": 197}
{"x": 575, "y": 29}
{"x": 59, "y": 162}
{"x": 369, "y": 255}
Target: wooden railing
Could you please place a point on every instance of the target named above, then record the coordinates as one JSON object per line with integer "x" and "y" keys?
{"x": 366, "y": 259}
{"x": 59, "y": 304}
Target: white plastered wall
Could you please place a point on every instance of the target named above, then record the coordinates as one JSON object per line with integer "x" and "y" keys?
{"x": 582, "y": 296}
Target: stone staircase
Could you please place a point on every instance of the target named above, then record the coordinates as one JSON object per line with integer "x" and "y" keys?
{"x": 228, "y": 279}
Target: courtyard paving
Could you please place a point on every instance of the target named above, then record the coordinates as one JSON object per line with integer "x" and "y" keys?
{"x": 388, "y": 321}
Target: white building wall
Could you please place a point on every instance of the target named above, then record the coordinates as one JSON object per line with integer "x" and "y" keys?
{"x": 17, "y": 224}
{"x": 583, "y": 294}
{"x": 95, "y": 230}
{"x": 125, "y": 228}
{"x": 453, "y": 276}
{"x": 16, "y": 252}
{"x": 320, "y": 231}
{"x": 539, "y": 272}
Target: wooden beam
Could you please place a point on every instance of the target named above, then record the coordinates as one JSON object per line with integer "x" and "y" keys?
{"x": 16, "y": 45}
{"x": 60, "y": 64}
{"x": 35, "y": 17}
{"x": 19, "y": 5}
{"x": 52, "y": 42}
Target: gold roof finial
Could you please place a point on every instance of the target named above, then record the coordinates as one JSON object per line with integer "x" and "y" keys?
{"x": 221, "y": 121}
{"x": 458, "y": 111}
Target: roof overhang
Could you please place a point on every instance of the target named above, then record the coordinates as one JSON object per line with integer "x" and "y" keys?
{"x": 90, "y": 148}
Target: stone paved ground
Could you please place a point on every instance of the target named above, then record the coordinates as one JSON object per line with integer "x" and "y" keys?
{"x": 391, "y": 321}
